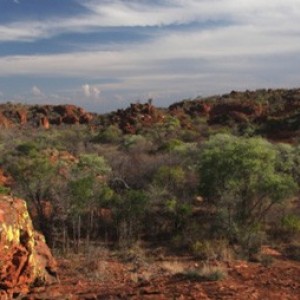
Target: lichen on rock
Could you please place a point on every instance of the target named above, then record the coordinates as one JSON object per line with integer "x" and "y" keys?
{"x": 25, "y": 258}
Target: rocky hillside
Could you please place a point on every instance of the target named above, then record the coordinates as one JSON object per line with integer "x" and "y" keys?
{"x": 272, "y": 113}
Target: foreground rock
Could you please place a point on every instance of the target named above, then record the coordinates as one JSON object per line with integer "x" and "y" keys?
{"x": 26, "y": 261}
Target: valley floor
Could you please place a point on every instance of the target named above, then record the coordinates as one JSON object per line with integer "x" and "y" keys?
{"x": 104, "y": 275}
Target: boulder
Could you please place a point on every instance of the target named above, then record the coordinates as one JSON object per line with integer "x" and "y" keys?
{"x": 22, "y": 116}
{"x": 44, "y": 122}
{"x": 85, "y": 118}
{"x": 70, "y": 119}
{"x": 4, "y": 121}
{"x": 26, "y": 260}
{"x": 5, "y": 179}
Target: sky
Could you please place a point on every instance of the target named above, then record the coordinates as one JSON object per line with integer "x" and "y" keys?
{"x": 104, "y": 54}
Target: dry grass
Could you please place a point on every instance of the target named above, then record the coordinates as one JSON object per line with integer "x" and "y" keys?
{"x": 213, "y": 250}
{"x": 173, "y": 267}
{"x": 91, "y": 265}
{"x": 207, "y": 272}
{"x": 204, "y": 272}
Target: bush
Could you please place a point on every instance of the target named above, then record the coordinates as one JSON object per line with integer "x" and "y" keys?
{"x": 212, "y": 250}
{"x": 291, "y": 224}
{"x": 137, "y": 143}
{"x": 4, "y": 190}
{"x": 266, "y": 260}
{"x": 28, "y": 148}
{"x": 111, "y": 134}
{"x": 293, "y": 251}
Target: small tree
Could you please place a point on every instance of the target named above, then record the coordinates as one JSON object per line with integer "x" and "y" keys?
{"x": 241, "y": 179}
{"x": 129, "y": 210}
{"x": 87, "y": 190}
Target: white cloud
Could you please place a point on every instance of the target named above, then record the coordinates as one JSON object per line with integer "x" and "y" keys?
{"x": 36, "y": 92}
{"x": 116, "y": 13}
{"x": 91, "y": 91}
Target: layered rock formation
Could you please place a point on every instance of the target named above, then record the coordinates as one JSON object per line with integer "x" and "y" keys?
{"x": 26, "y": 261}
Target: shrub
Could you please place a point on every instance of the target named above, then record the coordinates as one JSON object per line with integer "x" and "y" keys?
{"x": 293, "y": 251}
{"x": 211, "y": 250}
{"x": 266, "y": 260}
{"x": 291, "y": 224}
{"x": 4, "y": 190}
{"x": 111, "y": 134}
{"x": 28, "y": 148}
{"x": 137, "y": 143}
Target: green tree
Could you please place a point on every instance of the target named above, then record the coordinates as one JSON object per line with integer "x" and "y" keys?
{"x": 88, "y": 190}
{"x": 242, "y": 179}
{"x": 111, "y": 134}
{"x": 33, "y": 175}
{"x": 129, "y": 211}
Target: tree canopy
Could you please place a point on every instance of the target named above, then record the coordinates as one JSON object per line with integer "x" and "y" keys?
{"x": 242, "y": 178}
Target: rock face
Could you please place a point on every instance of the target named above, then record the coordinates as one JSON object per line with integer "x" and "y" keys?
{"x": 192, "y": 108}
{"x": 240, "y": 112}
{"x": 42, "y": 116}
{"x": 26, "y": 260}
{"x": 136, "y": 116}
{"x": 44, "y": 122}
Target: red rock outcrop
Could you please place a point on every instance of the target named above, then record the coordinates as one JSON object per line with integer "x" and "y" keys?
{"x": 4, "y": 122}
{"x": 85, "y": 118}
{"x": 64, "y": 110}
{"x": 70, "y": 119}
{"x": 136, "y": 116}
{"x": 5, "y": 180}
{"x": 192, "y": 108}
{"x": 56, "y": 121}
{"x": 22, "y": 115}
{"x": 42, "y": 116}
{"x": 44, "y": 122}
{"x": 239, "y": 112}
{"x": 26, "y": 260}
{"x": 43, "y": 110}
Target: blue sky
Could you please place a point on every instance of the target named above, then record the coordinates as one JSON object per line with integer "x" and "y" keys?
{"x": 104, "y": 54}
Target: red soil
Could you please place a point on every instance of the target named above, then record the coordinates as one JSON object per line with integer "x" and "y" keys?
{"x": 106, "y": 277}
